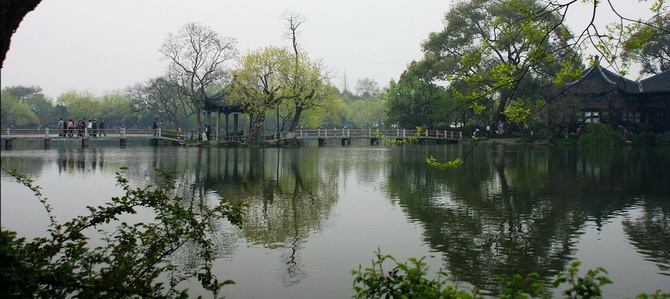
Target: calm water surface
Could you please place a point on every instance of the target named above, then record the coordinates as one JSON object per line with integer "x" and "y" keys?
{"x": 318, "y": 213}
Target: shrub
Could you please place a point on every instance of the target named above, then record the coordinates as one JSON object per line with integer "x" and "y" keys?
{"x": 408, "y": 281}
{"x": 644, "y": 138}
{"x": 598, "y": 134}
{"x": 664, "y": 139}
{"x": 133, "y": 256}
{"x": 403, "y": 281}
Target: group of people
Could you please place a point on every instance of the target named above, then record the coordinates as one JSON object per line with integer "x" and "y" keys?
{"x": 82, "y": 127}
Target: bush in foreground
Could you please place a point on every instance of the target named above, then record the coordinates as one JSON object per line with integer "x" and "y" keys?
{"x": 408, "y": 280}
{"x": 135, "y": 257}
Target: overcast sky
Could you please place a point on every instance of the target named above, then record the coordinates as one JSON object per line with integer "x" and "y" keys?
{"x": 108, "y": 45}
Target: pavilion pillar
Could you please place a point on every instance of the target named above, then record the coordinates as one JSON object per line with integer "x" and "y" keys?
{"x": 226, "y": 130}
{"x": 218, "y": 124}
{"x": 236, "y": 118}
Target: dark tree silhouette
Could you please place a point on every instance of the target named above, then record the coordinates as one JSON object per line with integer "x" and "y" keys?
{"x": 12, "y": 13}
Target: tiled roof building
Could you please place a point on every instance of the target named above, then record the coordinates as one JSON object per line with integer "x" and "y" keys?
{"x": 607, "y": 97}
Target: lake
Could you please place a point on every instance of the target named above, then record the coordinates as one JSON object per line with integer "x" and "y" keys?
{"x": 316, "y": 213}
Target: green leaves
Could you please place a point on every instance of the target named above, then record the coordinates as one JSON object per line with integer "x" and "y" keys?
{"x": 404, "y": 280}
{"x": 408, "y": 280}
{"x": 582, "y": 287}
{"x": 133, "y": 255}
{"x": 450, "y": 164}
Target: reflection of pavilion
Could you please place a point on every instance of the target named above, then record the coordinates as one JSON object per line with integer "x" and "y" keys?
{"x": 219, "y": 103}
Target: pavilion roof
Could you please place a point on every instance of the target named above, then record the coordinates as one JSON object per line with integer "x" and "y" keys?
{"x": 597, "y": 80}
{"x": 221, "y": 101}
{"x": 657, "y": 83}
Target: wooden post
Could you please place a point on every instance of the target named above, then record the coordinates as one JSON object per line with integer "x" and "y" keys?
{"x": 9, "y": 142}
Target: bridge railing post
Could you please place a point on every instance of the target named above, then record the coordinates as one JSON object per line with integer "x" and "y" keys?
{"x": 160, "y": 132}
{"x": 85, "y": 132}
{"x": 46, "y": 132}
{"x": 460, "y": 134}
{"x": 123, "y": 132}
{"x": 9, "y": 131}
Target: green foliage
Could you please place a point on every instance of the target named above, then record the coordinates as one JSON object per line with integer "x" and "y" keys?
{"x": 36, "y": 100}
{"x": 408, "y": 280}
{"x": 517, "y": 286}
{"x": 414, "y": 101}
{"x": 598, "y": 134}
{"x": 496, "y": 52}
{"x": 133, "y": 258}
{"x": 15, "y": 112}
{"x": 664, "y": 139}
{"x": 648, "y": 44}
{"x": 587, "y": 286}
{"x": 450, "y": 164}
{"x": 517, "y": 114}
{"x": 644, "y": 138}
{"x": 403, "y": 281}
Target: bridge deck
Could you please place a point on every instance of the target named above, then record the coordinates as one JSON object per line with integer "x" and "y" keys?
{"x": 370, "y": 134}
{"x": 178, "y": 136}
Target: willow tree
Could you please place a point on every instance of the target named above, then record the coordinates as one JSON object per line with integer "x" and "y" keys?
{"x": 197, "y": 56}
{"x": 260, "y": 83}
{"x": 308, "y": 81}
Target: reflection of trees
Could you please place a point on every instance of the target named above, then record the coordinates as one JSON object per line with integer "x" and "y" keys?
{"x": 513, "y": 210}
{"x": 650, "y": 233}
{"x": 289, "y": 196}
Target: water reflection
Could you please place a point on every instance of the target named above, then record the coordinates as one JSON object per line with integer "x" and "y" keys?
{"x": 289, "y": 196}
{"x": 507, "y": 210}
{"x": 650, "y": 232}
{"x": 74, "y": 160}
{"x": 517, "y": 210}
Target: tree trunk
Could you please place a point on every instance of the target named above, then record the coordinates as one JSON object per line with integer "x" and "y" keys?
{"x": 256, "y": 125}
{"x": 296, "y": 119}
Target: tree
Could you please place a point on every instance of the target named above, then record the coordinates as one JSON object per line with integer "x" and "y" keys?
{"x": 33, "y": 96}
{"x": 494, "y": 52}
{"x": 163, "y": 98}
{"x": 80, "y": 104}
{"x": 650, "y": 46}
{"x": 197, "y": 55}
{"x": 308, "y": 82}
{"x": 15, "y": 112}
{"x": 415, "y": 102}
{"x": 117, "y": 108}
{"x": 366, "y": 113}
{"x": 260, "y": 82}
{"x": 11, "y": 15}
{"x": 367, "y": 88}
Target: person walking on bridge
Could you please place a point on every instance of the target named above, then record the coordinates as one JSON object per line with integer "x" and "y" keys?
{"x": 101, "y": 128}
{"x": 61, "y": 128}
